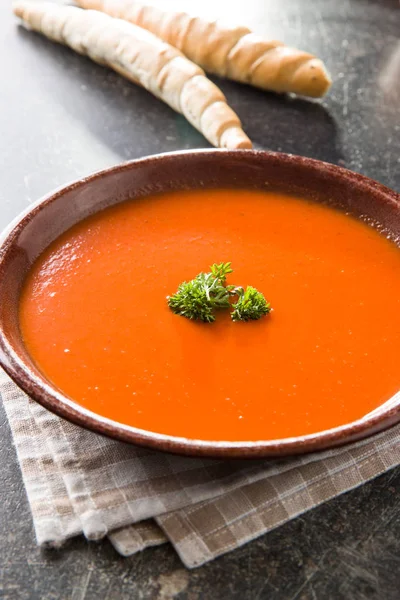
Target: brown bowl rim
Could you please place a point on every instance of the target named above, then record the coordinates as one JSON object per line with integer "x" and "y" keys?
{"x": 51, "y": 399}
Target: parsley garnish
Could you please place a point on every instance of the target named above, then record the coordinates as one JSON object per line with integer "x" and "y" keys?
{"x": 199, "y": 298}
{"x": 251, "y": 305}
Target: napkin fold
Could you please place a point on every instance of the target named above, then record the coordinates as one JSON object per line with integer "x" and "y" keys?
{"x": 78, "y": 482}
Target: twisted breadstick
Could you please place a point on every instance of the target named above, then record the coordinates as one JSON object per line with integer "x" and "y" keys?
{"x": 228, "y": 51}
{"x": 144, "y": 59}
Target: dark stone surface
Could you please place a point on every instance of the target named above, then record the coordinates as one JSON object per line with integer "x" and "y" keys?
{"x": 62, "y": 117}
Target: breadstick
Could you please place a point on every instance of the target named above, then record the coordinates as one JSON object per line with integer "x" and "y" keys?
{"x": 228, "y": 51}
{"x": 144, "y": 59}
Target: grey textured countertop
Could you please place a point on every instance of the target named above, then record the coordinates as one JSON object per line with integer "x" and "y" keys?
{"x": 62, "y": 117}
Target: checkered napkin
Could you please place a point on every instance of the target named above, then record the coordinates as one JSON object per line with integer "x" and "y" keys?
{"x": 78, "y": 482}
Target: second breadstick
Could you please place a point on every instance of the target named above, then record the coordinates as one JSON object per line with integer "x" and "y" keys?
{"x": 228, "y": 50}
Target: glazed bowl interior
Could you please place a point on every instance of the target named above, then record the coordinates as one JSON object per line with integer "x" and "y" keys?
{"x": 31, "y": 233}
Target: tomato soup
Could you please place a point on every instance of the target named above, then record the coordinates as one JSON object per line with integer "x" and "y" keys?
{"x": 95, "y": 319}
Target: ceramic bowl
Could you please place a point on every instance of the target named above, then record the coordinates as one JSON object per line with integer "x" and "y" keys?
{"x": 34, "y": 230}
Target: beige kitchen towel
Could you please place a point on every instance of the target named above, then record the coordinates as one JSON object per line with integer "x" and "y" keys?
{"x": 78, "y": 482}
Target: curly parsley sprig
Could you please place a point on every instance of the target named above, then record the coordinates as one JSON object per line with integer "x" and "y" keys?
{"x": 199, "y": 298}
{"x": 250, "y": 306}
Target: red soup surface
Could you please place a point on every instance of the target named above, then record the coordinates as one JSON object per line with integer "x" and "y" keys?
{"x": 94, "y": 316}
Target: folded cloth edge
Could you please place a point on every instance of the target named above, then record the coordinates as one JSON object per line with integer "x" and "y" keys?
{"x": 194, "y": 546}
